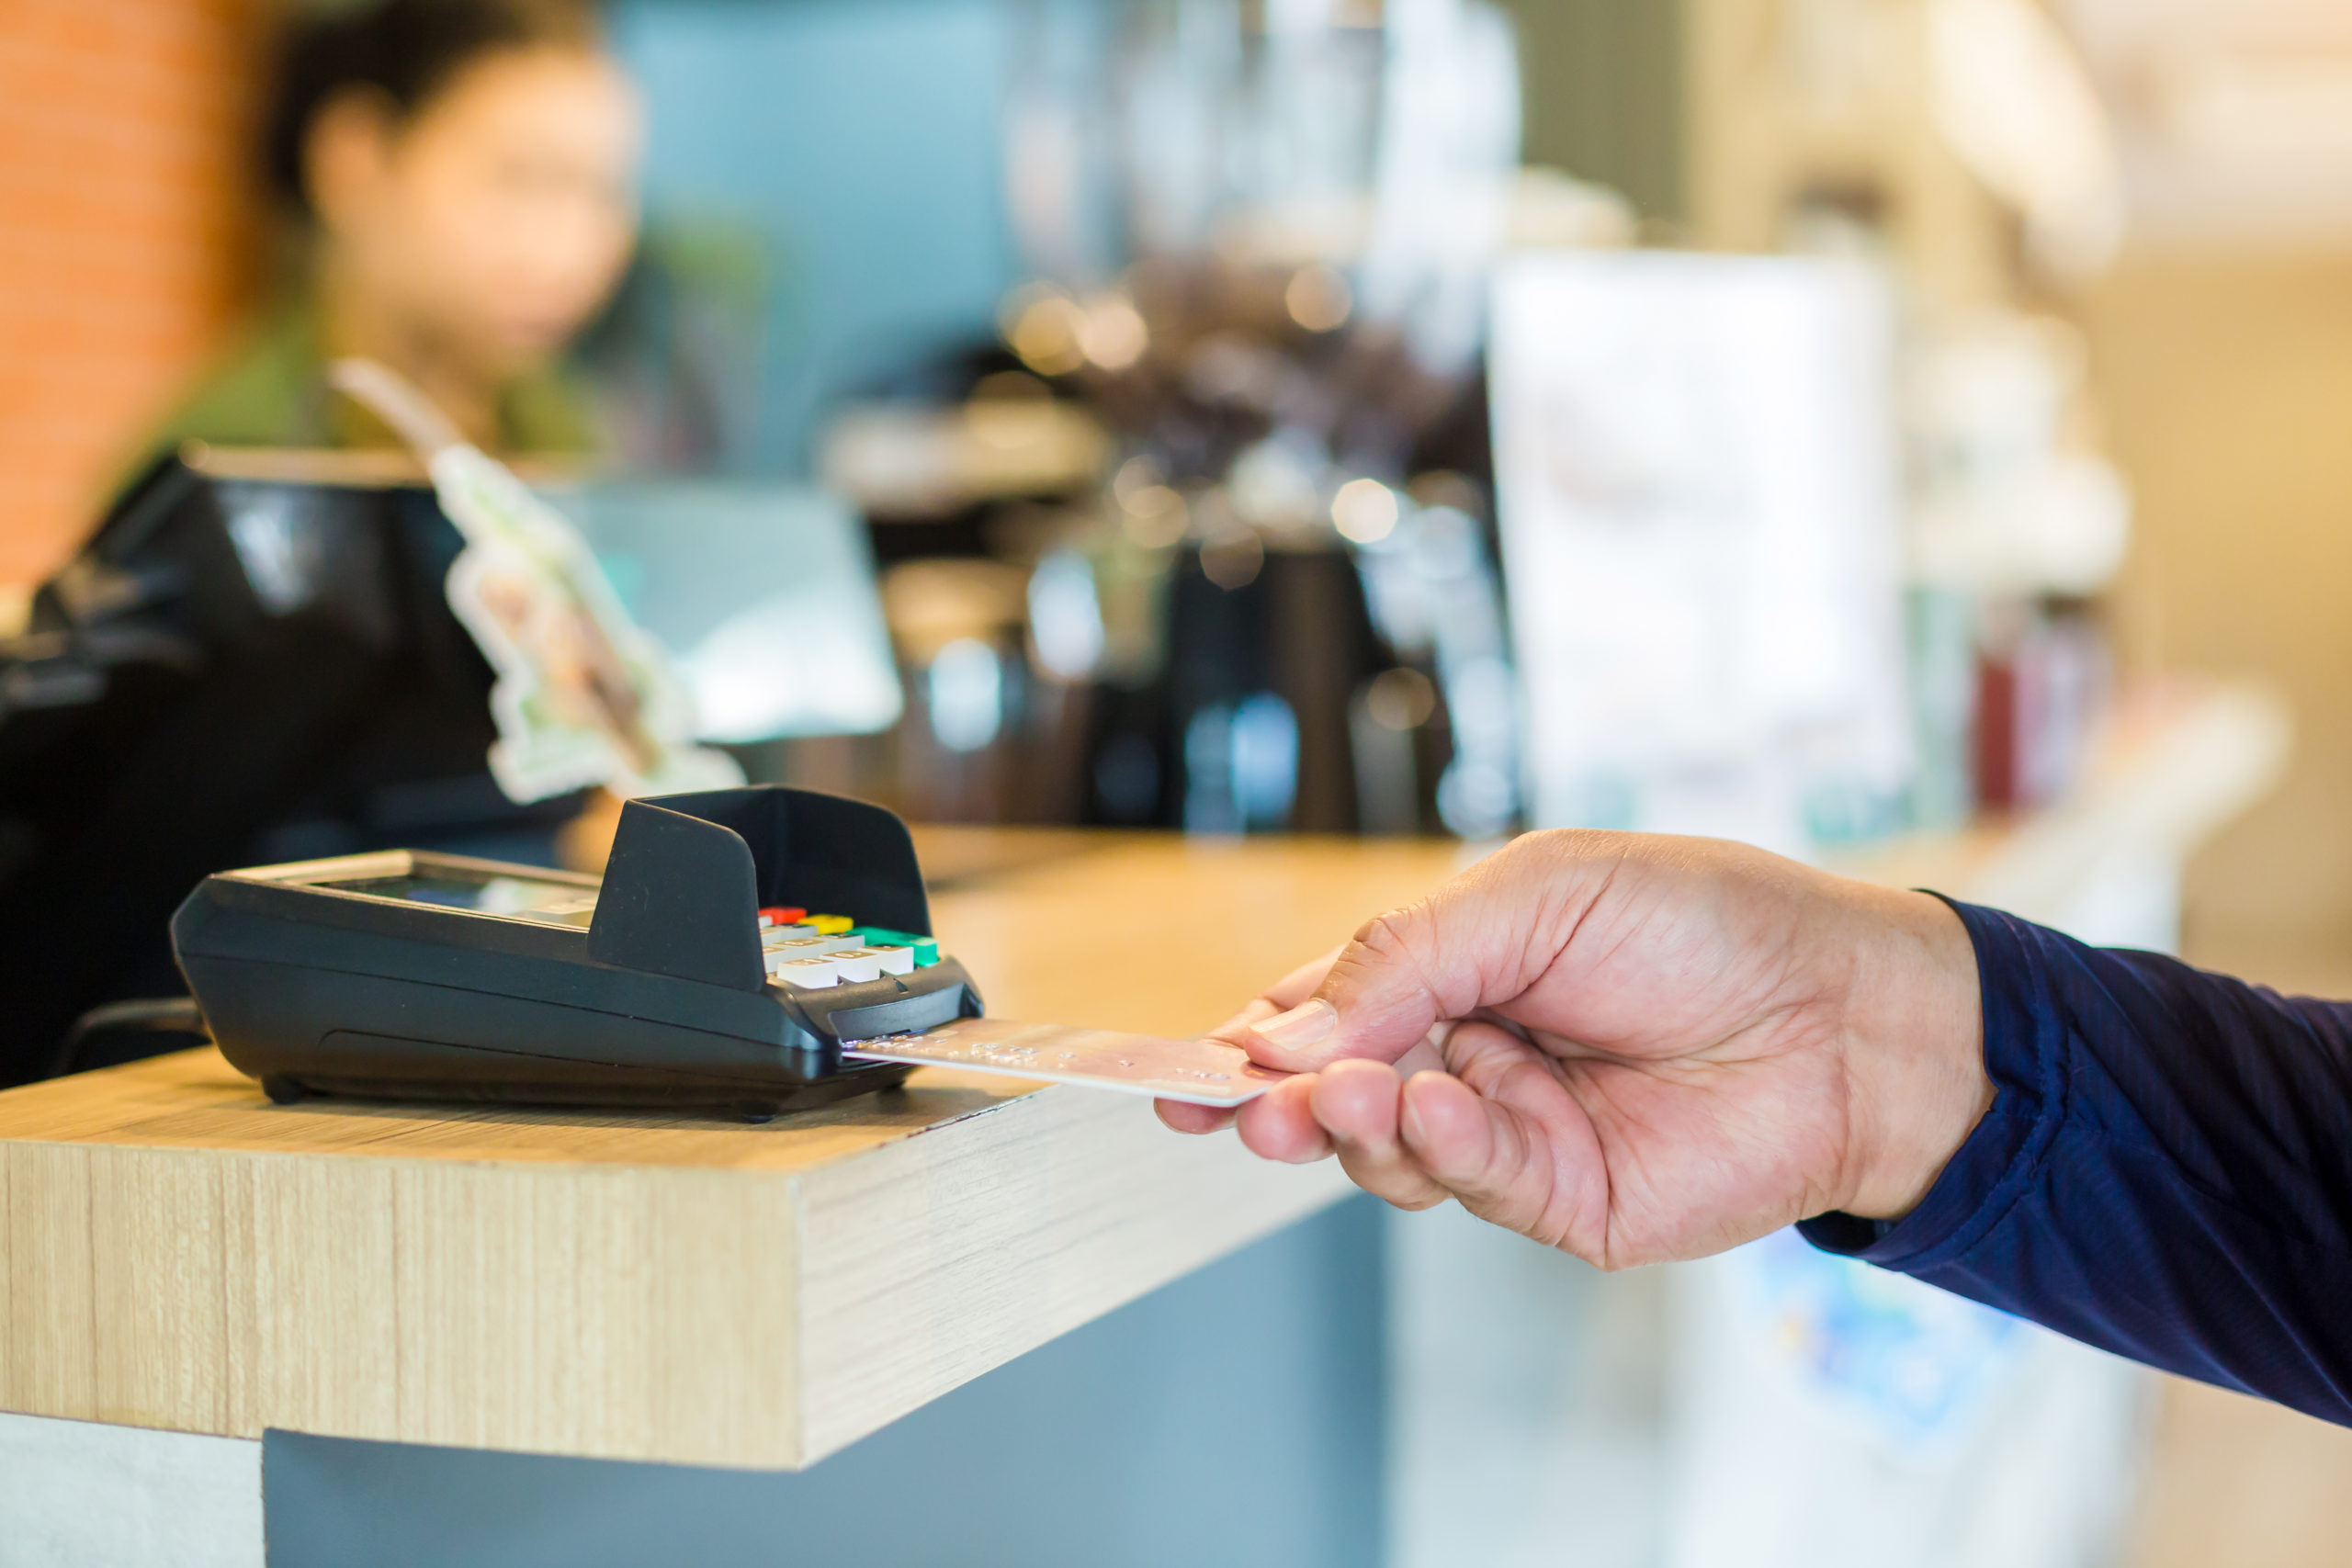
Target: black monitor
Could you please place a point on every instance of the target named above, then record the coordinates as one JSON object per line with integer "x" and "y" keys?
{"x": 251, "y": 660}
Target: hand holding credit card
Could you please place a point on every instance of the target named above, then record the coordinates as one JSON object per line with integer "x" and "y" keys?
{"x": 1634, "y": 1048}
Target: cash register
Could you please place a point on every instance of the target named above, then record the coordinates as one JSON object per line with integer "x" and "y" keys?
{"x": 736, "y": 940}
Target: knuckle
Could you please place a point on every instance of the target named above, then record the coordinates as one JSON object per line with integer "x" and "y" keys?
{"x": 1552, "y": 845}
{"x": 1389, "y": 934}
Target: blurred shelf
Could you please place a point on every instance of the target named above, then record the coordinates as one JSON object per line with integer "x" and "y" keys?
{"x": 2177, "y": 761}
{"x": 1787, "y": 104}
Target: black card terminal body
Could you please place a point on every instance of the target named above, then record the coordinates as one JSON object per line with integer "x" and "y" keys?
{"x": 679, "y": 979}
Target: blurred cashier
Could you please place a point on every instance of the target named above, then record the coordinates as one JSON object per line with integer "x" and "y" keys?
{"x": 464, "y": 174}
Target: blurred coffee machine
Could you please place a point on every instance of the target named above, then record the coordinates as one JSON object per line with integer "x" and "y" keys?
{"x": 1235, "y": 444}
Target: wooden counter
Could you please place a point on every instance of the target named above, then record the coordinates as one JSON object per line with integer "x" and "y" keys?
{"x": 175, "y": 1252}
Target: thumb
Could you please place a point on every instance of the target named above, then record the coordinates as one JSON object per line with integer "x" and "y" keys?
{"x": 1382, "y": 994}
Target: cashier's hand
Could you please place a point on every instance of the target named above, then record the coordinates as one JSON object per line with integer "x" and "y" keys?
{"x": 1629, "y": 1047}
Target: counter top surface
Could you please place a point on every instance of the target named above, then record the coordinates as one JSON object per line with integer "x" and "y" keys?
{"x": 178, "y": 1252}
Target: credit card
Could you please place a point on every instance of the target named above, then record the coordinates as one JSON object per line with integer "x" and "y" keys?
{"x": 1199, "y": 1071}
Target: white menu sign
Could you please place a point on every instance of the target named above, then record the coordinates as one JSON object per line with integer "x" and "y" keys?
{"x": 1698, "y": 475}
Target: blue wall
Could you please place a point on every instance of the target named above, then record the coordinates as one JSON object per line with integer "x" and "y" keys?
{"x": 1234, "y": 1419}
{"x": 859, "y": 139}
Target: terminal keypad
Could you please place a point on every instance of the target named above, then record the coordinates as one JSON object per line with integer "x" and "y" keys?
{"x": 815, "y": 952}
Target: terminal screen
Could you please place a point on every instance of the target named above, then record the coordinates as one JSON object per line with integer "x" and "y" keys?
{"x": 571, "y": 905}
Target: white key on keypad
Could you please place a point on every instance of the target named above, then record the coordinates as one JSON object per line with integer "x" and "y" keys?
{"x": 806, "y": 947}
{"x": 858, "y": 963}
{"x": 776, "y": 952}
{"x": 814, "y": 973}
{"x": 895, "y": 960}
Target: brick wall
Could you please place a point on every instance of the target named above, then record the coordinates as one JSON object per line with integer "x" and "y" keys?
{"x": 126, "y": 237}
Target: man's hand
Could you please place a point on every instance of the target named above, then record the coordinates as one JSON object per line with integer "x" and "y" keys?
{"x": 1629, "y": 1047}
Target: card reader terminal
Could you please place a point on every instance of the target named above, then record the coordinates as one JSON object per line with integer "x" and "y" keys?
{"x": 735, "y": 939}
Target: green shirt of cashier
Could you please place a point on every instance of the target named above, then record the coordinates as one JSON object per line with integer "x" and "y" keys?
{"x": 463, "y": 176}
{"x": 272, "y": 391}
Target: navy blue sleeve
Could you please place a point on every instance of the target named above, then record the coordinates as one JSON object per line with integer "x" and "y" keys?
{"x": 2166, "y": 1171}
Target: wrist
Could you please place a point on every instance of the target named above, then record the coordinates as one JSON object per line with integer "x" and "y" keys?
{"x": 1914, "y": 1053}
